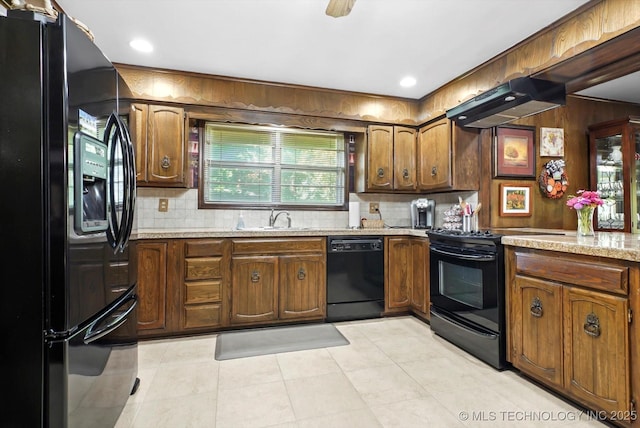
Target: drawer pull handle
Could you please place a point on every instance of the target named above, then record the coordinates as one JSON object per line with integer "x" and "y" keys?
{"x": 301, "y": 274}
{"x": 434, "y": 170}
{"x": 255, "y": 276}
{"x": 405, "y": 174}
{"x": 380, "y": 172}
{"x": 592, "y": 325}
{"x": 165, "y": 163}
{"x": 536, "y": 307}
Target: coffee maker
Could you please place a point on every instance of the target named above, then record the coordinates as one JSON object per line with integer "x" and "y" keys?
{"x": 423, "y": 212}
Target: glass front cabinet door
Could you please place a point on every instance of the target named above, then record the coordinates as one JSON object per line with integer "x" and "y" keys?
{"x": 614, "y": 149}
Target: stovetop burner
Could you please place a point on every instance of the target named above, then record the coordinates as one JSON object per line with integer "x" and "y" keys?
{"x": 456, "y": 235}
{"x": 458, "y": 232}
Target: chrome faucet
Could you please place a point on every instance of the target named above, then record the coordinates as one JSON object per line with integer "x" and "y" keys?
{"x": 272, "y": 218}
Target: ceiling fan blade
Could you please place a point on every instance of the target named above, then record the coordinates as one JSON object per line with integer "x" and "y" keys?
{"x": 338, "y": 8}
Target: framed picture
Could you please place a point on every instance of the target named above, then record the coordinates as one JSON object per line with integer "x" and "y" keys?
{"x": 515, "y": 200}
{"x": 551, "y": 142}
{"x": 514, "y": 152}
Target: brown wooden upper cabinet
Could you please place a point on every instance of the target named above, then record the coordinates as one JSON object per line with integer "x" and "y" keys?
{"x": 391, "y": 158}
{"x": 438, "y": 157}
{"x": 448, "y": 157}
{"x": 159, "y": 142}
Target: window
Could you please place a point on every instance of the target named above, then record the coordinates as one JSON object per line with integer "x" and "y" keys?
{"x": 268, "y": 165}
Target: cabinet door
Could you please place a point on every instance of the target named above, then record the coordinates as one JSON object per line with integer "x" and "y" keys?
{"x": 138, "y": 122}
{"x": 420, "y": 285}
{"x": 380, "y": 158}
{"x": 152, "y": 285}
{"x": 404, "y": 158}
{"x": 537, "y": 328}
{"x": 302, "y": 282}
{"x": 596, "y": 355}
{"x": 434, "y": 156}
{"x": 254, "y": 296}
{"x": 399, "y": 276}
{"x": 166, "y": 145}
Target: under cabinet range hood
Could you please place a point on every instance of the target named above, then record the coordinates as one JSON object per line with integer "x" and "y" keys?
{"x": 512, "y": 100}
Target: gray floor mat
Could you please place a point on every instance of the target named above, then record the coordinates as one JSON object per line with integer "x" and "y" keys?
{"x": 263, "y": 341}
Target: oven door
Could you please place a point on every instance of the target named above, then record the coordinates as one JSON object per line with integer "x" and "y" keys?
{"x": 466, "y": 282}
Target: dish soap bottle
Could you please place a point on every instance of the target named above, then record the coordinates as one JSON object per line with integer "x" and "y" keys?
{"x": 240, "y": 224}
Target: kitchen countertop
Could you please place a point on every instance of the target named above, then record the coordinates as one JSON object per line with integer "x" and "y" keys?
{"x": 271, "y": 233}
{"x": 616, "y": 245}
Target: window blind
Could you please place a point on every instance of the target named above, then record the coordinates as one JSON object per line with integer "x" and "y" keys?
{"x": 268, "y": 165}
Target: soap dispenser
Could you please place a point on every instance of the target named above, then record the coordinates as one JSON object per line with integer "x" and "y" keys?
{"x": 240, "y": 224}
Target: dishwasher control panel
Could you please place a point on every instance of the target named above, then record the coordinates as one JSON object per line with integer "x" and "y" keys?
{"x": 348, "y": 244}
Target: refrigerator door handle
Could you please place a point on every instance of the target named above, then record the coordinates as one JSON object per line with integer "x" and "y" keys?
{"x": 91, "y": 335}
{"x": 130, "y": 181}
{"x": 120, "y": 232}
{"x": 52, "y": 336}
{"x": 114, "y": 232}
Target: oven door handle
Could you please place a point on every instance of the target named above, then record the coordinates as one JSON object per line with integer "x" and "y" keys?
{"x": 478, "y": 258}
{"x": 462, "y": 326}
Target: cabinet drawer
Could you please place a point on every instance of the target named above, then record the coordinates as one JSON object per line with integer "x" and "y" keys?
{"x": 279, "y": 246}
{"x": 592, "y": 275}
{"x": 203, "y": 268}
{"x": 203, "y": 292}
{"x": 204, "y": 247}
{"x": 202, "y": 316}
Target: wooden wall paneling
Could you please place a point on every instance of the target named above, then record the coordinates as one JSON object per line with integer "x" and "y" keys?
{"x": 574, "y": 118}
{"x": 266, "y": 118}
{"x": 206, "y": 90}
{"x": 485, "y": 193}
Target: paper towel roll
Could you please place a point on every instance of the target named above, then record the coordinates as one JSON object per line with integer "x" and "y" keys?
{"x": 354, "y": 214}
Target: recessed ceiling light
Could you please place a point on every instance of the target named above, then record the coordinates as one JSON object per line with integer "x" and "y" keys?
{"x": 408, "y": 82}
{"x": 141, "y": 45}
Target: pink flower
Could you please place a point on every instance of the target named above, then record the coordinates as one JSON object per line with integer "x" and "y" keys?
{"x": 584, "y": 198}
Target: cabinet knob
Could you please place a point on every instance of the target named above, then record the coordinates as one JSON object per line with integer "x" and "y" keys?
{"x": 301, "y": 274}
{"x": 255, "y": 276}
{"x": 536, "y": 307}
{"x": 165, "y": 163}
{"x": 380, "y": 172}
{"x": 592, "y": 325}
{"x": 434, "y": 170}
{"x": 405, "y": 174}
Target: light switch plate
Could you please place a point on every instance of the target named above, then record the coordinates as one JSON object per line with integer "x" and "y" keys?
{"x": 374, "y": 207}
{"x": 163, "y": 205}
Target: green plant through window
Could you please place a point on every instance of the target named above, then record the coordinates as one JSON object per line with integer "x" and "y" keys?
{"x": 268, "y": 165}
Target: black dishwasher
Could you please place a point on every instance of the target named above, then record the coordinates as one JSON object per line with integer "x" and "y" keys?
{"x": 355, "y": 277}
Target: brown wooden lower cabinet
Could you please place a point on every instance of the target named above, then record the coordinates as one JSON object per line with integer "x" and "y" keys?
{"x": 205, "y": 283}
{"x": 276, "y": 280}
{"x": 570, "y": 326}
{"x": 537, "y": 328}
{"x": 152, "y": 286}
{"x": 407, "y": 275}
{"x": 254, "y": 296}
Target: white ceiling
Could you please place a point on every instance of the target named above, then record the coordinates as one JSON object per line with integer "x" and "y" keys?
{"x": 293, "y": 41}
{"x": 625, "y": 88}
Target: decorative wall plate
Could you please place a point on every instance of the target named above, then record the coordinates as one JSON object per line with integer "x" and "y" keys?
{"x": 553, "y": 179}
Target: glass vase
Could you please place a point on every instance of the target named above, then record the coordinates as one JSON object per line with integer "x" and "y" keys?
{"x": 585, "y": 220}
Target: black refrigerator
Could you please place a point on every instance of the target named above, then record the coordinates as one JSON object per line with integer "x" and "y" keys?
{"x": 69, "y": 347}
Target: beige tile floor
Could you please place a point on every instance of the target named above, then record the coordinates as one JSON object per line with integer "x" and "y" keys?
{"x": 394, "y": 373}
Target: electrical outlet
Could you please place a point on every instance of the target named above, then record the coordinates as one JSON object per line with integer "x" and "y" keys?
{"x": 163, "y": 205}
{"x": 374, "y": 207}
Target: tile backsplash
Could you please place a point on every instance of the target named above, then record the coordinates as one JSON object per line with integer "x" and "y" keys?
{"x": 183, "y": 212}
